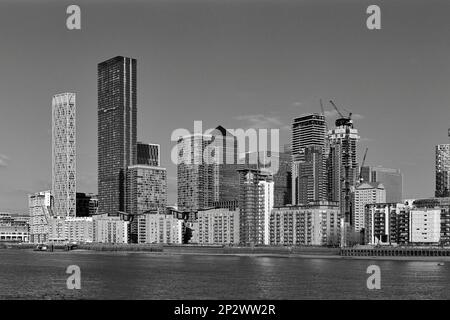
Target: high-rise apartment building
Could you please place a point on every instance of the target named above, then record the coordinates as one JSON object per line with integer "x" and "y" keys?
{"x": 40, "y": 209}
{"x": 64, "y": 154}
{"x": 365, "y": 193}
{"x": 255, "y": 204}
{"x": 148, "y": 154}
{"x": 198, "y": 176}
{"x": 308, "y": 133}
{"x": 117, "y": 118}
{"x": 442, "y": 170}
{"x": 392, "y": 180}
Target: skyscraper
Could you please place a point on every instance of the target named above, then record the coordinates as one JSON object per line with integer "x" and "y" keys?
{"x": 392, "y": 179}
{"x": 442, "y": 170}
{"x": 197, "y": 176}
{"x": 148, "y": 154}
{"x": 308, "y": 131}
{"x": 64, "y": 154}
{"x": 311, "y": 176}
{"x": 117, "y": 118}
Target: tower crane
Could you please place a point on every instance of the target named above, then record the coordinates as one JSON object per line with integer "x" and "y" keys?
{"x": 362, "y": 165}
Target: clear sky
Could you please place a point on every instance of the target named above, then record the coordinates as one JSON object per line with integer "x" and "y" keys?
{"x": 238, "y": 63}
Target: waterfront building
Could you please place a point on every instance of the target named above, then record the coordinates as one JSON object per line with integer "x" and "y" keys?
{"x": 40, "y": 210}
{"x": 442, "y": 169}
{"x": 392, "y": 180}
{"x": 14, "y": 228}
{"x": 117, "y": 130}
{"x": 57, "y": 229}
{"x": 387, "y": 223}
{"x": 148, "y": 154}
{"x": 197, "y": 176}
{"x": 315, "y": 223}
{"x": 80, "y": 229}
{"x": 365, "y": 193}
{"x": 64, "y": 154}
{"x": 425, "y": 226}
{"x": 110, "y": 229}
{"x": 442, "y": 204}
{"x": 218, "y": 226}
{"x": 255, "y": 204}
{"x": 160, "y": 227}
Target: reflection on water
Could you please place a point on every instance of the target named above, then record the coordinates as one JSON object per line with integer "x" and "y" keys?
{"x": 41, "y": 275}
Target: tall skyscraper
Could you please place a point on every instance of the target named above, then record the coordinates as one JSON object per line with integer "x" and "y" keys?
{"x": 148, "y": 154}
{"x": 308, "y": 131}
{"x": 392, "y": 179}
{"x": 64, "y": 154}
{"x": 342, "y": 164}
{"x": 117, "y": 118}
{"x": 255, "y": 205}
{"x": 442, "y": 170}
{"x": 198, "y": 176}
{"x": 311, "y": 176}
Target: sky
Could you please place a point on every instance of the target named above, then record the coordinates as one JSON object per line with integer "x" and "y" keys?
{"x": 236, "y": 63}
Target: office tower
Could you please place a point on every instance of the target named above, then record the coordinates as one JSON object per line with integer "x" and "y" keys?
{"x": 307, "y": 131}
{"x": 366, "y": 193}
{"x": 342, "y": 165}
{"x": 117, "y": 117}
{"x": 64, "y": 154}
{"x": 442, "y": 170}
{"x": 392, "y": 180}
{"x": 218, "y": 226}
{"x": 148, "y": 154}
{"x": 255, "y": 204}
{"x": 386, "y": 223}
{"x": 198, "y": 177}
{"x": 315, "y": 223}
{"x": 310, "y": 176}
{"x": 40, "y": 210}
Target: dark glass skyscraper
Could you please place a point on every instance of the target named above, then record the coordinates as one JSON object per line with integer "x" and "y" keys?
{"x": 117, "y": 117}
{"x": 148, "y": 154}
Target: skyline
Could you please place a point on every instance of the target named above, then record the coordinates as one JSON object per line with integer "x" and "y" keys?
{"x": 225, "y": 76}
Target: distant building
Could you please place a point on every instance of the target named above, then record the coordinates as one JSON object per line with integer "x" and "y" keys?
{"x": 148, "y": 154}
{"x": 13, "y": 228}
{"x": 80, "y": 229}
{"x": 392, "y": 180}
{"x": 255, "y": 204}
{"x": 64, "y": 154}
{"x": 366, "y": 193}
{"x": 442, "y": 204}
{"x": 160, "y": 227}
{"x": 117, "y": 130}
{"x": 218, "y": 226}
{"x": 110, "y": 229}
{"x": 425, "y": 226}
{"x": 442, "y": 170}
{"x": 387, "y": 223}
{"x": 316, "y": 223}
{"x": 40, "y": 208}
{"x": 87, "y": 204}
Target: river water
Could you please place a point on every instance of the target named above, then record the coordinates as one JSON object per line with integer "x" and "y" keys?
{"x": 25, "y": 274}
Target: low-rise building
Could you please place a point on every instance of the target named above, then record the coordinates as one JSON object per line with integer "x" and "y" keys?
{"x": 160, "y": 227}
{"x": 425, "y": 226}
{"x": 386, "y": 223}
{"x": 80, "y": 229}
{"x": 218, "y": 226}
{"x": 110, "y": 229}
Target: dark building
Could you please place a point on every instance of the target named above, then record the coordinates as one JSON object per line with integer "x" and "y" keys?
{"x": 87, "y": 204}
{"x": 148, "y": 154}
{"x": 117, "y": 118}
{"x": 442, "y": 170}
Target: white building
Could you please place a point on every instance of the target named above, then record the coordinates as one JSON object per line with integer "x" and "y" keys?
{"x": 366, "y": 193}
{"x": 110, "y": 229}
{"x": 218, "y": 226}
{"x": 425, "y": 225}
{"x": 64, "y": 154}
{"x": 267, "y": 189}
{"x": 57, "y": 230}
{"x": 80, "y": 229}
{"x": 155, "y": 227}
{"x": 40, "y": 206}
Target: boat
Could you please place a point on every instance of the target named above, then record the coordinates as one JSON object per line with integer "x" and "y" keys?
{"x": 41, "y": 247}
{"x": 441, "y": 264}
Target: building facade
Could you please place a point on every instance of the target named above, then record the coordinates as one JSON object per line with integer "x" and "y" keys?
{"x": 80, "y": 229}
{"x": 366, "y": 193}
{"x": 117, "y": 130}
{"x": 64, "y": 154}
{"x": 387, "y": 224}
{"x": 160, "y": 227}
{"x": 40, "y": 210}
{"x": 110, "y": 229}
{"x": 425, "y": 226}
{"x": 316, "y": 223}
{"x": 218, "y": 226}
{"x": 148, "y": 154}
{"x": 442, "y": 170}
{"x": 392, "y": 180}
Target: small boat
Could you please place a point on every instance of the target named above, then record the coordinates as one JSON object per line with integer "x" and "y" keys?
{"x": 441, "y": 264}
{"x": 41, "y": 248}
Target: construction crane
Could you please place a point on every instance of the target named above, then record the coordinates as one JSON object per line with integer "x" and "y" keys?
{"x": 340, "y": 113}
{"x": 323, "y": 111}
{"x": 362, "y": 165}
